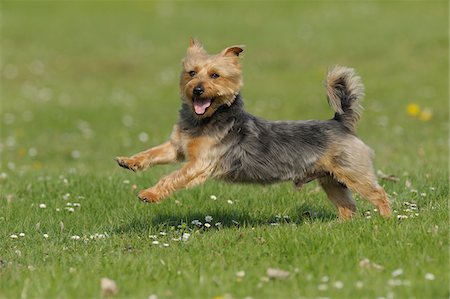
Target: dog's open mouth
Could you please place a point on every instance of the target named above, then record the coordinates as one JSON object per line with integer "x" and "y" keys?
{"x": 200, "y": 105}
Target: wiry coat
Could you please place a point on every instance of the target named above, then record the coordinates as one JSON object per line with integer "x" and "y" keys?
{"x": 254, "y": 150}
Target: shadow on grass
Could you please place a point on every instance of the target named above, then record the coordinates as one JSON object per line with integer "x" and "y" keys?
{"x": 226, "y": 218}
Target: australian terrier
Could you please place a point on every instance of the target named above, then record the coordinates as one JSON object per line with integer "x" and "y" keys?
{"x": 217, "y": 138}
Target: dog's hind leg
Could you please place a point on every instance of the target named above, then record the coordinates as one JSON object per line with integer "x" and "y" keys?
{"x": 351, "y": 164}
{"x": 370, "y": 190}
{"x": 339, "y": 195}
{"x": 359, "y": 177}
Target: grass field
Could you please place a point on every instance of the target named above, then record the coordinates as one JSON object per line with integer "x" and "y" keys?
{"x": 83, "y": 82}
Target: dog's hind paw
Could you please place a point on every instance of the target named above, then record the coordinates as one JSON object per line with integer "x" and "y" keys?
{"x": 385, "y": 210}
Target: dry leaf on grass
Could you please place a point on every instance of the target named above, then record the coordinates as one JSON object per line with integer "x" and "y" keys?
{"x": 108, "y": 286}
{"x": 366, "y": 263}
{"x": 277, "y": 273}
{"x": 387, "y": 177}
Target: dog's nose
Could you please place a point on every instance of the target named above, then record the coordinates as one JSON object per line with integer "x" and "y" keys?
{"x": 198, "y": 90}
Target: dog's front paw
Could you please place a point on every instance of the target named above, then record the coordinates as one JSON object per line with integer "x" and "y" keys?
{"x": 150, "y": 195}
{"x": 129, "y": 163}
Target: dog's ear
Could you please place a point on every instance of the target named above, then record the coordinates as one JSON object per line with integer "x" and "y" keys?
{"x": 194, "y": 43}
{"x": 195, "y": 46}
{"x": 233, "y": 51}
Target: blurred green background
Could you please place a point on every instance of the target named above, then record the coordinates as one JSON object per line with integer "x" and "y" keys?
{"x": 83, "y": 82}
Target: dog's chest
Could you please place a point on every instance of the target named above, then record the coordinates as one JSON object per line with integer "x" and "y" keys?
{"x": 201, "y": 148}
{"x": 209, "y": 143}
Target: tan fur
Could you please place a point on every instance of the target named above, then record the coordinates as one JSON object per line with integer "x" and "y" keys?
{"x": 340, "y": 196}
{"x": 350, "y": 163}
{"x": 201, "y": 164}
{"x": 223, "y": 89}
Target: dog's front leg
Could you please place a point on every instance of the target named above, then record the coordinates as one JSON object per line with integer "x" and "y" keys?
{"x": 190, "y": 175}
{"x": 162, "y": 154}
{"x": 202, "y": 158}
{"x": 167, "y": 152}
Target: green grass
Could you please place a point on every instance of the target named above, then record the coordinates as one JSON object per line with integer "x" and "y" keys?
{"x": 81, "y": 81}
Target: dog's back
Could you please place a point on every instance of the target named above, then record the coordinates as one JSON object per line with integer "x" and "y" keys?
{"x": 261, "y": 151}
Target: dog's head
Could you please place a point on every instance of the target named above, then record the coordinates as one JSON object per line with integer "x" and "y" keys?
{"x": 210, "y": 81}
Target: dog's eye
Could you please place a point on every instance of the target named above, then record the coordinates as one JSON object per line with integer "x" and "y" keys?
{"x": 192, "y": 73}
{"x": 214, "y": 75}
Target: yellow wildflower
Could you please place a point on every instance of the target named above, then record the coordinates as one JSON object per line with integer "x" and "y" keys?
{"x": 21, "y": 152}
{"x": 413, "y": 109}
{"x": 425, "y": 115}
{"x": 37, "y": 165}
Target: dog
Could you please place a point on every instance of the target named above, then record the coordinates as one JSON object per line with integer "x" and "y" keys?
{"x": 218, "y": 139}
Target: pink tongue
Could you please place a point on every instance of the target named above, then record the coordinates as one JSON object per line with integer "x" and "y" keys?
{"x": 201, "y": 105}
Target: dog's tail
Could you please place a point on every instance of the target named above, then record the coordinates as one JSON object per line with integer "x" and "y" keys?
{"x": 345, "y": 91}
